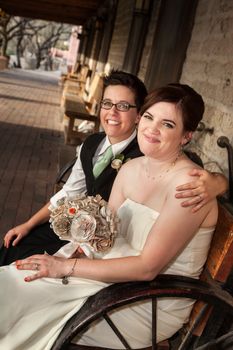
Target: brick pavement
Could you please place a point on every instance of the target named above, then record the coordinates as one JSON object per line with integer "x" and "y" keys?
{"x": 31, "y": 139}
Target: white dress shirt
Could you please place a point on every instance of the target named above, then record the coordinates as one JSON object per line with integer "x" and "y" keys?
{"x": 76, "y": 182}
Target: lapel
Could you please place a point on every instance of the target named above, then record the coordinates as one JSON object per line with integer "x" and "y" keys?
{"x": 131, "y": 151}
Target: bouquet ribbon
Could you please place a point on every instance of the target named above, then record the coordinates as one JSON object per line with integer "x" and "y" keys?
{"x": 70, "y": 248}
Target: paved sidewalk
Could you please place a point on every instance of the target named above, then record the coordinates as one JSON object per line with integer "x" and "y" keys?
{"x": 31, "y": 138}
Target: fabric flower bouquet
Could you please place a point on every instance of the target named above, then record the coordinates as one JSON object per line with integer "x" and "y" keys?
{"x": 86, "y": 222}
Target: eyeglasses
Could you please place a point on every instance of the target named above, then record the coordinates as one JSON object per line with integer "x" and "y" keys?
{"x": 120, "y": 106}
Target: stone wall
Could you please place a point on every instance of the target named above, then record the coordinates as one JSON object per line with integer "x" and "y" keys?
{"x": 120, "y": 33}
{"x": 209, "y": 69}
{"x": 149, "y": 39}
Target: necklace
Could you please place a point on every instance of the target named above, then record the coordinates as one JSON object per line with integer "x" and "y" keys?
{"x": 163, "y": 173}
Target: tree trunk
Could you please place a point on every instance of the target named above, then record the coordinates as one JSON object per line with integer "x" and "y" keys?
{"x": 18, "y": 54}
{"x": 4, "y": 47}
{"x": 38, "y": 60}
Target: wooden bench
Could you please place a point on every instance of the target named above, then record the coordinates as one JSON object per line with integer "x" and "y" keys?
{"x": 79, "y": 77}
{"x": 217, "y": 268}
{"x": 81, "y": 106}
{"x": 214, "y": 289}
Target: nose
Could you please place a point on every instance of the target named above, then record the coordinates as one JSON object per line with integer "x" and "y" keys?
{"x": 154, "y": 127}
{"x": 113, "y": 109}
{"x": 113, "y": 106}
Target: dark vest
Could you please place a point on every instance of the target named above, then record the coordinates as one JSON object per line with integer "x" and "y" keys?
{"x": 103, "y": 184}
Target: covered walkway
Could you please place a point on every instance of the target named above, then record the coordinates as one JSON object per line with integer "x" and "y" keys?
{"x": 31, "y": 139}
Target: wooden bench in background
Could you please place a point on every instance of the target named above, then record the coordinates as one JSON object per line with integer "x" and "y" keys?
{"x": 214, "y": 289}
{"x": 80, "y": 110}
{"x": 79, "y": 77}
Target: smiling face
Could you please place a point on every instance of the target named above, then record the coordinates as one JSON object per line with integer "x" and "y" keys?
{"x": 118, "y": 125}
{"x": 160, "y": 131}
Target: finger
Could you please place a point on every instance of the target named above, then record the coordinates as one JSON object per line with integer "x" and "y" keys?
{"x": 23, "y": 266}
{"x": 32, "y": 277}
{"x": 7, "y": 239}
{"x": 195, "y": 194}
{"x": 6, "y": 242}
{"x": 195, "y": 172}
{"x": 198, "y": 207}
{"x": 188, "y": 203}
{"x": 193, "y": 201}
{"x": 188, "y": 186}
{"x": 27, "y": 265}
{"x": 188, "y": 193}
{"x": 198, "y": 195}
{"x": 36, "y": 258}
{"x": 16, "y": 241}
{"x": 44, "y": 256}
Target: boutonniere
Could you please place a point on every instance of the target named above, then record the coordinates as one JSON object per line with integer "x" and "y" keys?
{"x": 118, "y": 161}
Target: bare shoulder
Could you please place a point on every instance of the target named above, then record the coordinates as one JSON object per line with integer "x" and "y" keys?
{"x": 181, "y": 175}
{"x": 131, "y": 165}
{"x": 209, "y": 211}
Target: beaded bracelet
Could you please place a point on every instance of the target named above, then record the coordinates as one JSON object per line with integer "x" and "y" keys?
{"x": 65, "y": 278}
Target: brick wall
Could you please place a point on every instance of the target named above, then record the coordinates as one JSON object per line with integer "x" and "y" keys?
{"x": 209, "y": 69}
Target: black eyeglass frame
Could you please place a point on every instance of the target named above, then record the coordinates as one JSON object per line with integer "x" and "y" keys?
{"x": 115, "y": 104}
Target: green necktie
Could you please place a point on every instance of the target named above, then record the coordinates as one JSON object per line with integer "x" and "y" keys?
{"x": 103, "y": 162}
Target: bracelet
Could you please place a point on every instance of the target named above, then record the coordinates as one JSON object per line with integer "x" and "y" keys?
{"x": 65, "y": 278}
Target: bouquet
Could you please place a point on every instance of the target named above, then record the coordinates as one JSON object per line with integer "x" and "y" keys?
{"x": 86, "y": 222}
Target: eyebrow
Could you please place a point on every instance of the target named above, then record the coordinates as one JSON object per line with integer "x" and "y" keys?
{"x": 170, "y": 121}
{"x": 109, "y": 99}
{"x": 166, "y": 120}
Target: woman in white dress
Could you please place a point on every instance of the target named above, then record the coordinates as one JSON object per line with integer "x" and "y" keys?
{"x": 161, "y": 236}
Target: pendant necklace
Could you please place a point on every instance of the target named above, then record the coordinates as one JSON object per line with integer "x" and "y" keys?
{"x": 158, "y": 177}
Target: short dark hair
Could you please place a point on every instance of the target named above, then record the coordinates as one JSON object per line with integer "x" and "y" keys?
{"x": 131, "y": 81}
{"x": 189, "y": 102}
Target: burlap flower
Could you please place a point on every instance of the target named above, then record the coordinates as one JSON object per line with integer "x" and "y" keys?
{"x": 116, "y": 164}
{"x": 82, "y": 227}
{"x": 85, "y": 219}
{"x": 118, "y": 161}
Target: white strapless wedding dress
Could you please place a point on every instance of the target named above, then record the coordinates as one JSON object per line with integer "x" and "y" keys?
{"x": 32, "y": 314}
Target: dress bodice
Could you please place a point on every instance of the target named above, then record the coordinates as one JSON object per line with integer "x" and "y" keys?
{"x": 136, "y": 222}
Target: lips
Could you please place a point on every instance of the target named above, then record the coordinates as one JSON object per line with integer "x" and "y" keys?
{"x": 151, "y": 139}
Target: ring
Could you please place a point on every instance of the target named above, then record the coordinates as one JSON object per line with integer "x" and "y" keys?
{"x": 199, "y": 196}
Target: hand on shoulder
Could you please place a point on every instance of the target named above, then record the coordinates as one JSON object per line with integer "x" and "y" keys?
{"x": 201, "y": 188}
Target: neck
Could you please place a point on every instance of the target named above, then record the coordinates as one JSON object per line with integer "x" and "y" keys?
{"x": 160, "y": 162}
{"x": 155, "y": 169}
{"x": 115, "y": 140}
